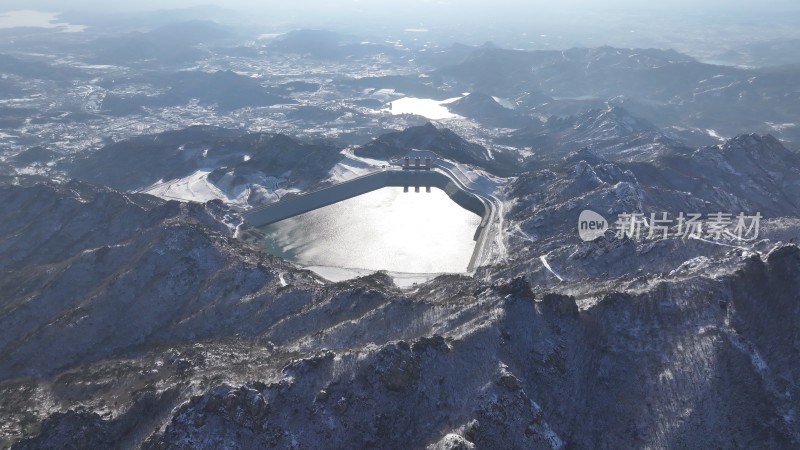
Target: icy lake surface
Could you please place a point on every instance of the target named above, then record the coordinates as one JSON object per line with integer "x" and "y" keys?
{"x": 425, "y": 107}
{"x": 35, "y": 19}
{"x": 386, "y": 229}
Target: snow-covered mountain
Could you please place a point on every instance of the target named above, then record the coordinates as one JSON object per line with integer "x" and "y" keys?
{"x": 167, "y": 331}
{"x": 139, "y": 310}
{"x": 613, "y": 133}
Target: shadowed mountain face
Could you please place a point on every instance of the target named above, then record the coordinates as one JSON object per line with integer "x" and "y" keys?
{"x": 305, "y": 163}
{"x": 602, "y": 71}
{"x": 176, "y": 43}
{"x": 486, "y": 110}
{"x": 747, "y": 174}
{"x": 140, "y": 162}
{"x": 442, "y": 141}
{"x": 225, "y": 340}
{"x": 322, "y": 44}
{"x": 613, "y": 133}
{"x": 426, "y": 137}
{"x": 26, "y": 68}
{"x": 178, "y": 305}
{"x": 224, "y": 90}
{"x": 665, "y": 87}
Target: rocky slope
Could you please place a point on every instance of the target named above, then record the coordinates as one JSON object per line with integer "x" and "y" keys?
{"x": 139, "y": 162}
{"x": 132, "y": 321}
{"x": 748, "y": 174}
{"x": 613, "y": 133}
{"x": 442, "y": 141}
{"x": 225, "y": 90}
{"x": 486, "y": 110}
{"x": 662, "y": 86}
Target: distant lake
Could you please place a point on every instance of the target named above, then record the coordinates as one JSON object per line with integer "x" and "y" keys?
{"x": 425, "y": 107}
{"x": 36, "y": 19}
{"x": 386, "y": 229}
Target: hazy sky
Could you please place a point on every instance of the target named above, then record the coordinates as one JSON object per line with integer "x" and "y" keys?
{"x": 417, "y": 6}
{"x": 681, "y": 24}
{"x": 433, "y": 11}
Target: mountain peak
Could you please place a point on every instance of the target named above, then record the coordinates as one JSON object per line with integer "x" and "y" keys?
{"x": 758, "y": 147}
{"x": 613, "y": 118}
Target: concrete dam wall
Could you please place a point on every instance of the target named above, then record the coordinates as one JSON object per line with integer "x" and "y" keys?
{"x": 292, "y": 206}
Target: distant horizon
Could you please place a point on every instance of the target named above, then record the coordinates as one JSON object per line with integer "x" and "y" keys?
{"x": 721, "y": 6}
{"x": 703, "y": 30}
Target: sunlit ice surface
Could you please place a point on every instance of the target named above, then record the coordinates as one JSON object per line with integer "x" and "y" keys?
{"x": 35, "y": 19}
{"x": 425, "y": 107}
{"x": 386, "y": 229}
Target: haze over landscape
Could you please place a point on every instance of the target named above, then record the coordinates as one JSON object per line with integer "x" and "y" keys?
{"x": 420, "y": 224}
{"x": 693, "y": 27}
